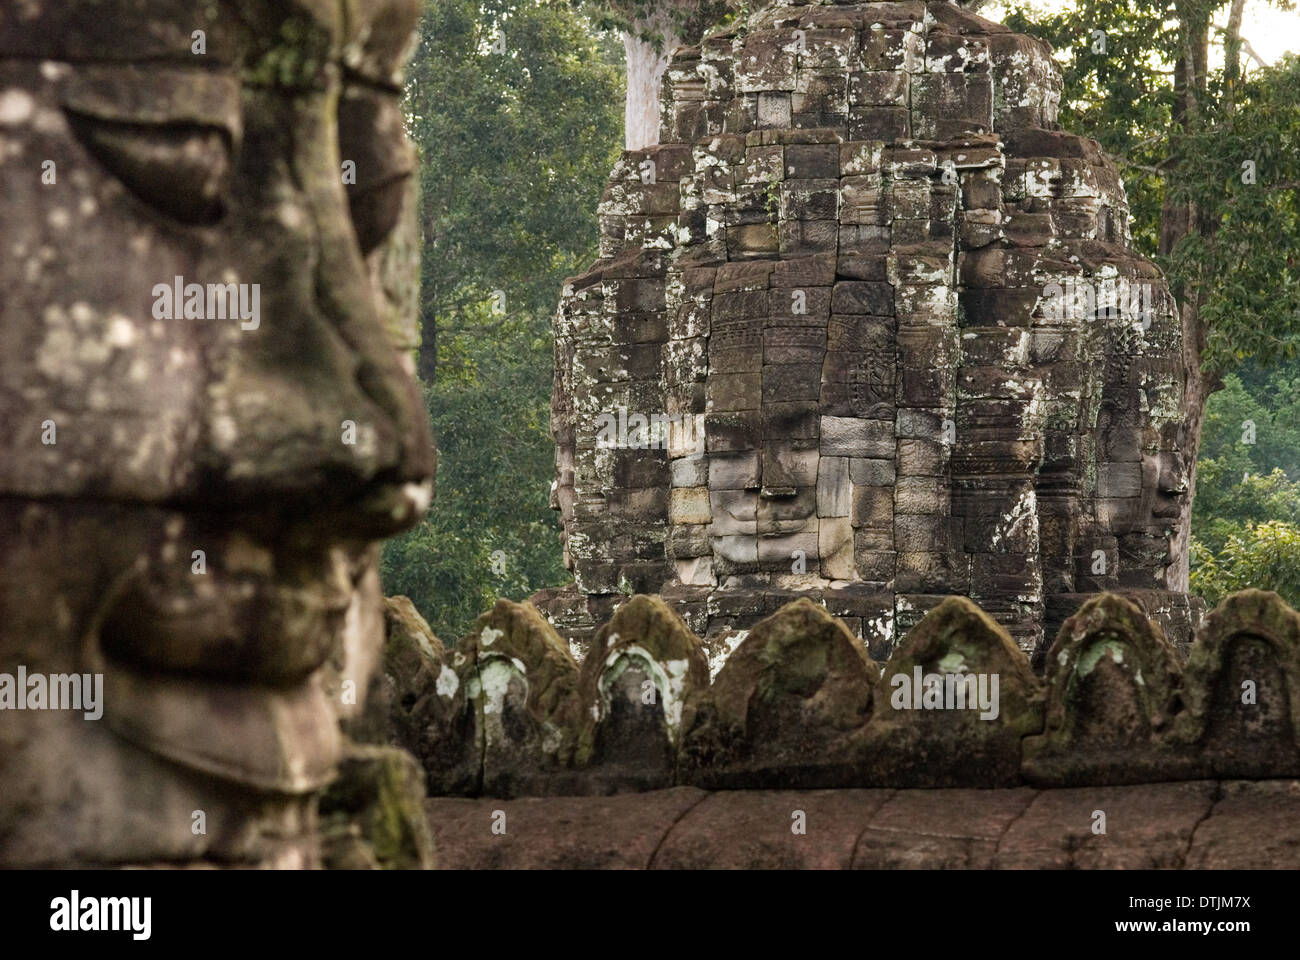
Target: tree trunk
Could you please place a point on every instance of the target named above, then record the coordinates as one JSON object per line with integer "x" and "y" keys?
{"x": 1232, "y": 52}
{"x": 646, "y": 63}
{"x": 1180, "y": 218}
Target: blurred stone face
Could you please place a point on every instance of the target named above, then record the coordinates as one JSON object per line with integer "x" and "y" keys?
{"x": 906, "y": 312}
{"x": 209, "y": 421}
{"x": 1142, "y": 492}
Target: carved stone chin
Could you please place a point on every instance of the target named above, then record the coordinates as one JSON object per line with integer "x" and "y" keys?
{"x": 907, "y": 309}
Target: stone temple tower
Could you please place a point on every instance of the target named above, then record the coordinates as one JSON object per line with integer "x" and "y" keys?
{"x": 868, "y": 327}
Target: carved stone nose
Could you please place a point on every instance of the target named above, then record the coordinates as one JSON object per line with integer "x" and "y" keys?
{"x": 1172, "y": 481}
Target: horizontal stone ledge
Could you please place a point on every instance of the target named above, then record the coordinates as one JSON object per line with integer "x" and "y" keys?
{"x": 1203, "y": 824}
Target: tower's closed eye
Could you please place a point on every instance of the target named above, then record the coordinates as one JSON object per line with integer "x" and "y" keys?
{"x": 180, "y": 169}
{"x": 373, "y": 143}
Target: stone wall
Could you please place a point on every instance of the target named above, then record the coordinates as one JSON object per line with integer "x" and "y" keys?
{"x": 799, "y": 703}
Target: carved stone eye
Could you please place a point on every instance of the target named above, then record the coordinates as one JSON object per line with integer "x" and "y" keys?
{"x": 180, "y": 169}
{"x": 372, "y": 138}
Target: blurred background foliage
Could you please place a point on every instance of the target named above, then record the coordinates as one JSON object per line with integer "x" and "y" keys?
{"x": 1246, "y": 516}
{"x": 514, "y": 147}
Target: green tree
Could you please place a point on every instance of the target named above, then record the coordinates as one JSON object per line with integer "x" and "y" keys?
{"x": 1249, "y": 482}
{"x": 514, "y": 107}
{"x": 1264, "y": 555}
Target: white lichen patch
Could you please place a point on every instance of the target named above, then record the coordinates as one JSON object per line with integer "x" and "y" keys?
{"x": 489, "y": 635}
{"x": 552, "y": 737}
{"x": 879, "y": 630}
{"x": 1020, "y": 521}
{"x": 448, "y": 682}
{"x": 224, "y": 431}
{"x": 495, "y": 677}
{"x": 291, "y": 215}
{"x": 719, "y": 657}
{"x": 668, "y": 678}
{"x": 16, "y": 106}
{"x": 420, "y": 495}
{"x": 1094, "y": 654}
{"x": 121, "y": 331}
{"x": 79, "y": 342}
{"x": 953, "y": 662}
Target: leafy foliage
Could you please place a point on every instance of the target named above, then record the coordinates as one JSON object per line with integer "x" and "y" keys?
{"x": 1247, "y": 510}
{"x": 515, "y": 147}
{"x": 1265, "y": 556}
{"x": 687, "y": 19}
{"x": 510, "y": 144}
{"x": 1247, "y": 262}
{"x": 1182, "y": 148}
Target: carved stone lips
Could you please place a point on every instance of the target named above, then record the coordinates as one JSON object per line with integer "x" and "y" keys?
{"x": 383, "y": 509}
{"x": 282, "y": 740}
{"x": 221, "y": 670}
{"x": 214, "y": 645}
{"x": 272, "y": 626}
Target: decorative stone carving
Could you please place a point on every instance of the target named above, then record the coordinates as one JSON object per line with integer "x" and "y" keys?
{"x": 639, "y": 688}
{"x": 421, "y": 701}
{"x": 799, "y": 705}
{"x": 1242, "y": 688}
{"x": 787, "y": 708}
{"x": 953, "y": 704}
{"x": 867, "y": 320}
{"x": 1113, "y": 697}
{"x": 523, "y": 693}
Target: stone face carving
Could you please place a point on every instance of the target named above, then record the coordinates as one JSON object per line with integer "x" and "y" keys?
{"x": 868, "y": 328}
{"x": 208, "y": 419}
{"x": 953, "y": 704}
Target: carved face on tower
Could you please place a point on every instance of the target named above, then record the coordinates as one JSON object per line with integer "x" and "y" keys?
{"x": 904, "y": 314}
{"x": 208, "y": 421}
{"x": 1143, "y": 474}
